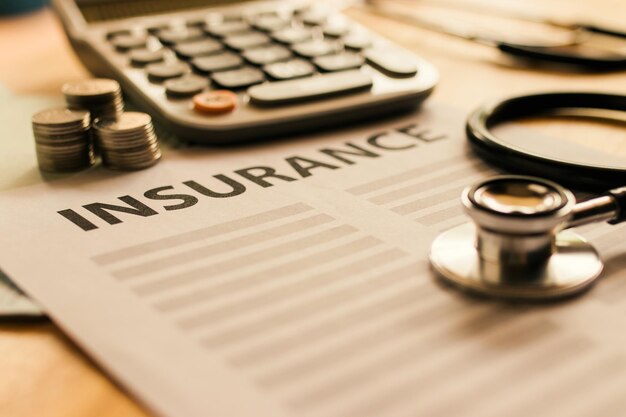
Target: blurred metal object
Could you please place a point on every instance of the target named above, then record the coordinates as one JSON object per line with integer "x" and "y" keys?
{"x": 576, "y": 52}
{"x": 516, "y": 248}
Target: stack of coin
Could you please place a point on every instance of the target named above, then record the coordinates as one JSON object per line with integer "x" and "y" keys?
{"x": 127, "y": 142}
{"x": 100, "y": 96}
{"x": 62, "y": 140}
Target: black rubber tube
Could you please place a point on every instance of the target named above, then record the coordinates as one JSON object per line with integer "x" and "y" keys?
{"x": 496, "y": 151}
{"x": 566, "y": 55}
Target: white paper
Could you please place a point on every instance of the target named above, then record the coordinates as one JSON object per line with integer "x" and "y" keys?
{"x": 312, "y": 296}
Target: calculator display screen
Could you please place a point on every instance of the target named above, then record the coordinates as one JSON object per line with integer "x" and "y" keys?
{"x": 100, "y": 10}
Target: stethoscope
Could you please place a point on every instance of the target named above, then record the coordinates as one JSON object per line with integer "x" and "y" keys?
{"x": 572, "y": 53}
{"x": 519, "y": 244}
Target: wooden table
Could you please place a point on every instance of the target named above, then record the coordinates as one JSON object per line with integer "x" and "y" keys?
{"x": 43, "y": 374}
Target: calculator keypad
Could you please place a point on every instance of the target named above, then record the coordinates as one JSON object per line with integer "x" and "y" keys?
{"x": 141, "y": 57}
{"x": 295, "y": 68}
{"x": 266, "y": 55}
{"x": 239, "y": 78}
{"x": 317, "y": 47}
{"x": 301, "y": 89}
{"x": 292, "y": 35}
{"x": 226, "y": 28}
{"x": 246, "y": 40}
{"x": 391, "y": 62}
{"x": 185, "y": 86}
{"x": 270, "y": 23}
{"x": 198, "y": 48}
{"x": 357, "y": 41}
{"x": 336, "y": 27}
{"x": 220, "y": 62}
{"x": 239, "y": 51}
{"x": 175, "y": 36}
{"x": 126, "y": 42}
{"x": 165, "y": 71}
{"x": 339, "y": 62}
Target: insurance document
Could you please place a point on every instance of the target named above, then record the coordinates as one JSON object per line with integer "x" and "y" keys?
{"x": 291, "y": 279}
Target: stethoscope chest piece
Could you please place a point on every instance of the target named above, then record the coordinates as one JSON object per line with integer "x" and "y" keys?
{"x": 516, "y": 248}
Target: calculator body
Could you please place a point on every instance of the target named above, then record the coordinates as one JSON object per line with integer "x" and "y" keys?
{"x": 355, "y": 81}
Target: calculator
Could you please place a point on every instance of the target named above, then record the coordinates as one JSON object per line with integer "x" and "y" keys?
{"x": 225, "y": 71}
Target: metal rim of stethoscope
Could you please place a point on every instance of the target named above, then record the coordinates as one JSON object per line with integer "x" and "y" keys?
{"x": 498, "y": 152}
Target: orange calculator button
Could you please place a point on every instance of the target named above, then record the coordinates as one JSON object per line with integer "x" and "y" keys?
{"x": 218, "y": 101}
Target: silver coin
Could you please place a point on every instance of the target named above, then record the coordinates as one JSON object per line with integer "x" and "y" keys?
{"x": 101, "y": 97}
{"x": 130, "y": 156}
{"x": 92, "y": 88}
{"x": 111, "y": 105}
{"x": 127, "y": 142}
{"x": 68, "y": 152}
{"x": 127, "y": 121}
{"x": 121, "y": 137}
{"x": 136, "y": 166}
{"x": 62, "y": 140}
{"x": 141, "y": 131}
{"x": 59, "y": 132}
{"x": 134, "y": 153}
{"x": 64, "y": 168}
{"x": 60, "y": 116}
{"x": 60, "y": 156}
{"x": 131, "y": 162}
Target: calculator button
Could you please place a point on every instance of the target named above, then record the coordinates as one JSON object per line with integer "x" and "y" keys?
{"x": 270, "y": 22}
{"x": 282, "y": 92}
{"x": 219, "y": 62}
{"x": 339, "y": 62}
{"x": 156, "y": 28}
{"x": 223, "y": 17}
{"x": 392, "y": 62}
{"x": 246, "y": 40}
{"x": 266, "y": 55}
{"x": 125, "y": 43}
{"x": 295, "y": 68}
{"x": 118, "y": 32}
{"x": 222, "y": 29}
{"x": 336, "y": 26}
{"x": 357, "y": 41}
{"x": 161, "y": 72}
{"x": 315, "y": 48}
{"x": 195, "y": 22}
{"x": 174, "y": 36}
{"x": 141, "y": 57}
{"x": 239, "y": 78}
{"x": 185, "y": 86}
{"x": 292, "y": 35}
{"x": 198, "y": 48}
{"x": 314, "y": 17}
{"x": 215, "y": 102}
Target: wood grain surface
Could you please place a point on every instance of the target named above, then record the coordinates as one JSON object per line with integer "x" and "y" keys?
{"x": 43, "y": 374}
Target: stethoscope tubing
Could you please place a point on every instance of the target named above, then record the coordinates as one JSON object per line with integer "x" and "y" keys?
{"x": 510, "y": 158}
{"x": 557, "y": 56}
